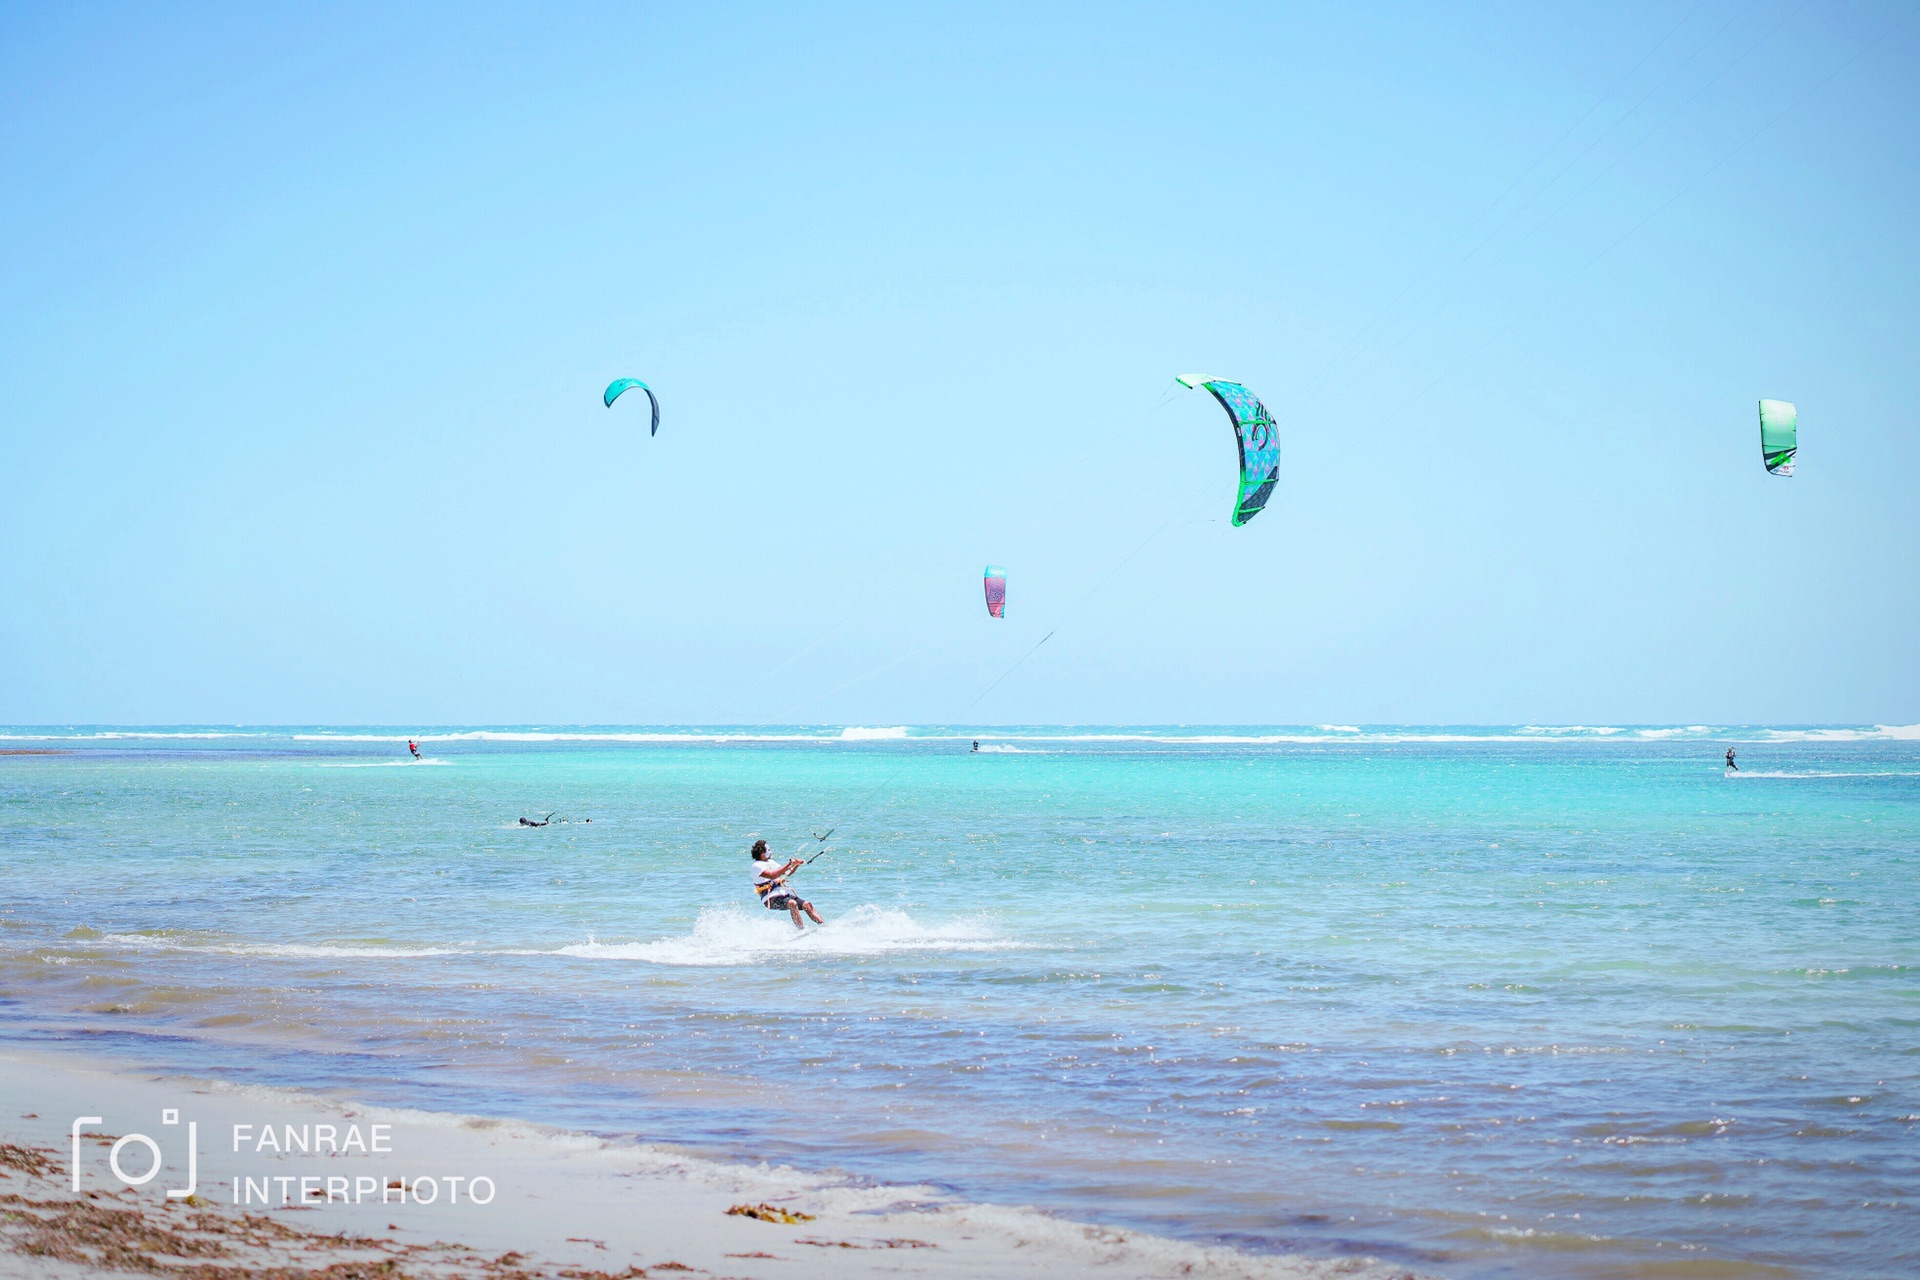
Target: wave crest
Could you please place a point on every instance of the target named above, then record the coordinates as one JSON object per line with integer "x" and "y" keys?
{"x": 732, "y": 935}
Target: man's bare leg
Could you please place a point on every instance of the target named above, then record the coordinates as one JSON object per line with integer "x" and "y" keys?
{"x": 811, "y": 912}
{"x": 794, "y": 910}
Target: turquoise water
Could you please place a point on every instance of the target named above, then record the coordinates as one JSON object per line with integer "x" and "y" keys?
{"x": 1488, "y": 1002}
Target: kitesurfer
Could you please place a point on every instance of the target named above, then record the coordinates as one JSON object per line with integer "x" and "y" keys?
{"x": 413, "y": 747}
{"x": 529, "y": 822}
{"x": 770, "y": 882}
{"x": 976, "y": 744}
{"x": 1731, "y": 766}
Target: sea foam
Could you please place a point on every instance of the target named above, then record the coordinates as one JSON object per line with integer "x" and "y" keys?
{"x": 732, "y": 935}
{"x": 381, "y": 764}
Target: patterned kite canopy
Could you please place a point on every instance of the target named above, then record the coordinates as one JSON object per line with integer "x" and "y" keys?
{"x": 1779, "y": 436}
{"x": 996, "y": 591}
{"x": 1259, "y": 439}
{"x": 620, "y": 386}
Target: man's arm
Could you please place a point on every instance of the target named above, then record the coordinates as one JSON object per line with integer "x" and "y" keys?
{"x": 780, "y": 876}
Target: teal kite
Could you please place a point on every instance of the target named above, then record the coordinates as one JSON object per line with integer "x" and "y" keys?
{"x": 620, "y": 386}
{"x": 1258, "y": 437}
{"x": 1779, "y": 436}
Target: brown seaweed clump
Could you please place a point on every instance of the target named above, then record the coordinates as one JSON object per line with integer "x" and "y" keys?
{"x": 198, "y": 1240}
{"x": 770, "y": 1213}
{"x": 101, "y": 1236}
{"x": 33, "y": 1162}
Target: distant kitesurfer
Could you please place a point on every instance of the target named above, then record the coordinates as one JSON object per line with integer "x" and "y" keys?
{"x": 413, "y": 747}
{"x": 529, "y": 822}
{"x": 770, "y": 882}
{"x": 1731, "y": 766}
{"x": 976, "y": 744}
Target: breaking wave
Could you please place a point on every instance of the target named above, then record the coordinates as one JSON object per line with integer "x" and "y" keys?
{"x": 1875, "y": 733}
{"x": 1737, "y": 774}
{"x": 826, "y": 735}
{"x": 734, "y": 936}
{"x": 381, "y": 764}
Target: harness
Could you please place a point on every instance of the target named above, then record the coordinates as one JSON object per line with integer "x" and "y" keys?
{"x": 767, "y": 886}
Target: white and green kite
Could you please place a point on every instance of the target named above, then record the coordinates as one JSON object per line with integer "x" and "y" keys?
{"x": 1779, "y": 436}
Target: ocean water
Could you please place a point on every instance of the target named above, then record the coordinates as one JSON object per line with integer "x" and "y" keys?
{"x": 1489, "y": 1002}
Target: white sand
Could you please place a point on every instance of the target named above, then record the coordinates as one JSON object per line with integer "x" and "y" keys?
{"x": 561, "y": 1202}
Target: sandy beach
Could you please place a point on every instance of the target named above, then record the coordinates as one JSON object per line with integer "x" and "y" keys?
{"x": 284, "y": 1184}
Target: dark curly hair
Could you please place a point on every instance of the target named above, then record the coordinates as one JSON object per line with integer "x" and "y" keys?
{"x": 759, "y": 850}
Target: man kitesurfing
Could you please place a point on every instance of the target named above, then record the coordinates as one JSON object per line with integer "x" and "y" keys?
{"x": 770, "y": 882}
{"x": 413, "y": 747}
{"x": 1731, "y": 766}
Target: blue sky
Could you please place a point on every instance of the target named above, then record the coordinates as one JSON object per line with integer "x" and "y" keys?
{"x": 304, "y": 315}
